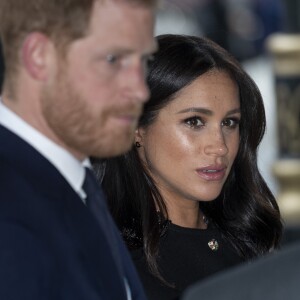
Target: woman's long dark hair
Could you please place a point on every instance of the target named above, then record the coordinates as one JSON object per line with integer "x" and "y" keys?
{"x": 245, "y": 211}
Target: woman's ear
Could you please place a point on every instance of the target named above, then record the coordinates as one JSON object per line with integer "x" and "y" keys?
{"x": 137, "y": 136}
{"x": 138, "y": 139}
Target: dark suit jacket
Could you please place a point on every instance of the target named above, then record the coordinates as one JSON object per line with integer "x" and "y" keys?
{"x": 51, "y": 245}
{"x": 276, "y": 277}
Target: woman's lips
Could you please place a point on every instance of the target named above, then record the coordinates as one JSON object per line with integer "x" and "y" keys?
{"x": 212, "y": 173}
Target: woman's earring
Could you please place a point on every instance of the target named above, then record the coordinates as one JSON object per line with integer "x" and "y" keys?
{"x": 137, "y": 145}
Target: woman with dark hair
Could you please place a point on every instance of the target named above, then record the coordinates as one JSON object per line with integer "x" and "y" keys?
{"x": 189, "y": 199}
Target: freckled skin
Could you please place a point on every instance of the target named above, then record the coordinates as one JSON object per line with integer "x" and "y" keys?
{"x": 173, "y": 150}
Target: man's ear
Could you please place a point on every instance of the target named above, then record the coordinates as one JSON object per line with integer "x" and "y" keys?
{"x": 35, "y": 53}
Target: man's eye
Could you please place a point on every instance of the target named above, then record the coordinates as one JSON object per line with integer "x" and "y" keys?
{"x": 146, "y": 60}
{"x": 149, "y": 58}
{"x": 111, "y": 59}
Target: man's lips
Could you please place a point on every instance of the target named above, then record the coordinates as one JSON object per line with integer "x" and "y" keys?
{"x": 128, "y": 119}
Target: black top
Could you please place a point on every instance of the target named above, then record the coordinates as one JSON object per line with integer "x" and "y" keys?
{"x": 184, "y": 258}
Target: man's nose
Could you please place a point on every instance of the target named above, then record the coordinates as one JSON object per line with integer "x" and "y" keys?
{"x": 137, "y": 85}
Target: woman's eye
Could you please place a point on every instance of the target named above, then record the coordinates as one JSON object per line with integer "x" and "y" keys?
{"x": 194, "y": 122}
{"x": 231, "y": 123}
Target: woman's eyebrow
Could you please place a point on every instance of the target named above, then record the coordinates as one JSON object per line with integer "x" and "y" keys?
{"x": 196, "y": 109}
{"x": 207, "y": 111}
{"x": 234, "y": 111}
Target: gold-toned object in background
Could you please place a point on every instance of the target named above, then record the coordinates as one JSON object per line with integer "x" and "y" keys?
{"x": 287, "y": 173}
{"x": 285, "y": 50}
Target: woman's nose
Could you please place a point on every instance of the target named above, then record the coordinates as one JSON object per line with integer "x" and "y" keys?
{"x": 216, "y": 144}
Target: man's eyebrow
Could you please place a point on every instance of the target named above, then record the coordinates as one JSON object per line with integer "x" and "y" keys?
{"x": 122, "y": 50}
{"x": 154, "y": 47}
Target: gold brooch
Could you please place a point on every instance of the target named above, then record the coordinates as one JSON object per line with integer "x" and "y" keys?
{"x": 213, "y": 245}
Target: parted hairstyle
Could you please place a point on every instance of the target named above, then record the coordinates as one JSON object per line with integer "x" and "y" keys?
{"x": 62, "y": 20}
{"x": 245, "y": 211}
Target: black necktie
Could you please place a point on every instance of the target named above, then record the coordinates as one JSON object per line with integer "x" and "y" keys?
{"x": 95, "y": 201}
{"x": 94, "y": 195}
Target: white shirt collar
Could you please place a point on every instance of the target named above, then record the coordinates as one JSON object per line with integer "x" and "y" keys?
{"x": 70, "y": 168}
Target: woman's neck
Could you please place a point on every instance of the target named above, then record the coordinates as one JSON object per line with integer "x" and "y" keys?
{"x": 188, "y": 215}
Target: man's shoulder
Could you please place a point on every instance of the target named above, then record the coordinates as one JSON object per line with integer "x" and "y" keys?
{"x": 10, "y": 177}
{"x": 25, "y": 171}
{"x": 29, "y": 188}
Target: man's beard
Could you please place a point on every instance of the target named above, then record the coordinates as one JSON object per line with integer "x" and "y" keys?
{"x": 80, "y": 128}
